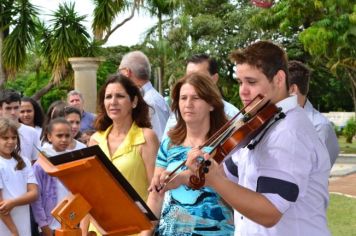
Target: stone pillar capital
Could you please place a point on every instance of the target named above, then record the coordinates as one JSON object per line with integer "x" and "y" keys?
{"x": 85, "y": 63}
{"x": 85, "y": 69}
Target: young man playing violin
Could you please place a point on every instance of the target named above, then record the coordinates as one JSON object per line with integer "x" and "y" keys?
{"x": 282, "y": 179}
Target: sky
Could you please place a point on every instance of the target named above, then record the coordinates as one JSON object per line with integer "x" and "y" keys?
{"x": 129, "y": 34}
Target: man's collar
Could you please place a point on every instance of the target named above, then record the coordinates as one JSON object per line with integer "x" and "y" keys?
{"x": 288, "y": 103}
{"x": 147, "y": 86}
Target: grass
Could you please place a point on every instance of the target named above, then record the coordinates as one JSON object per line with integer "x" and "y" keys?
{"x": 342, "y": 215}
{"x": 346, "y": 148}
{"x": 342, "y": 210}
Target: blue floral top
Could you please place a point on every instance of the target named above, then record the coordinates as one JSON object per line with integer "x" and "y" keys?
{"x": 187, "y": 211}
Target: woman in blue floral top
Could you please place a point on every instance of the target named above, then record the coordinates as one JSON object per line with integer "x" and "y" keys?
{"x": 182, "y": 210}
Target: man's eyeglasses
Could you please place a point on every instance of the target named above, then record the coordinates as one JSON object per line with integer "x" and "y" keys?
{"x": 124, "y": 71}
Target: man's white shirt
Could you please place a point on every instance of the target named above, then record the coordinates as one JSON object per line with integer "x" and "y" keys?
{"x": 291, "y": 152}
{"x": 29, "y": 140}
{"x": 324, "y": 129}
{"x": 159, "y": 110}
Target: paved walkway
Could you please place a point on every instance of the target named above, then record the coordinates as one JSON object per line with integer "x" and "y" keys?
{"x": 345, "y": 185}
{"x": 343, "y": 176}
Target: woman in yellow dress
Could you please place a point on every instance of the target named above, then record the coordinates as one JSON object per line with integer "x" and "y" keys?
{"x": 124, "y": 132}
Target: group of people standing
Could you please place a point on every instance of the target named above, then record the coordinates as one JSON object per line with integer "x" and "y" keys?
{"x": 277, "y": 187}
{"x": 25, "y": 130}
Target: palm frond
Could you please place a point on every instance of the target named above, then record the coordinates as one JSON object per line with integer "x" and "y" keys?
{"x": 68, "y": 38}
{"x": 15, "y": 46}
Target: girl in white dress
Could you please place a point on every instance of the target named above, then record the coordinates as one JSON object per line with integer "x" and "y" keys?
{"x": 18, "y": 186}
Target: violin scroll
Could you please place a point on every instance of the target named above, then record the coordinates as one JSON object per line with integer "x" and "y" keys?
{"x": 197, "y": 181}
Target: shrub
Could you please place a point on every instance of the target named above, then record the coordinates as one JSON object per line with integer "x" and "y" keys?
{"x": 349, "y": 130}
{"x": 338, "y": 129}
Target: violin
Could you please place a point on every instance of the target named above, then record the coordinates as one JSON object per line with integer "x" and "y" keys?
{"x": 235, "y": 134}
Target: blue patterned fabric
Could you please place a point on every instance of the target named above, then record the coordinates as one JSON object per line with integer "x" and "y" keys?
{"x": 190, "y": 212}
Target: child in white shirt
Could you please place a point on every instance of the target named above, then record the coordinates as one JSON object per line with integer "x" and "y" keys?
{"x": 52, "y": 191}
{"x": 18, "y": 186}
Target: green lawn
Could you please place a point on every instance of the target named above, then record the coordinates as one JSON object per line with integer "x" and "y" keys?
{"x": 342, "y": 215}
{"x": 346, "y": 148}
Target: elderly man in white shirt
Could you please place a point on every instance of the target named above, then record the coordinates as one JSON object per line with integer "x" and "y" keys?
{"x": 299, "y": 77}
{"x": 136, "y": 66}
{"x": 203, "y": 63}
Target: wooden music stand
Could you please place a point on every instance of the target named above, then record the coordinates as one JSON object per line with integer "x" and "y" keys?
{"x": 99, "y": 189}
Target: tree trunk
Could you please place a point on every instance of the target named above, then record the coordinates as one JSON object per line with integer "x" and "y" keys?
{"x": 162, "y": 56}
{"x": 348, "y": 139}
{"x": 353, "y": 88}
{"x": 43, "y": 91}
{"x": 106, "y": 38}
{"x": 2, "y": 72}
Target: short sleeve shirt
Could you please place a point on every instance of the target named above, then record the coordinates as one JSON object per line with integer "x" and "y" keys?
{"x": 13, "y": 184}
{"x": 190, "y": 212}
{"x": 29, "y": 140}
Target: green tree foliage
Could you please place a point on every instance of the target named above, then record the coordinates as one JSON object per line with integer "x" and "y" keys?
{"x": 328, "y": 93}
{"x": 319, "y": 33}
{"x": 67, "y": 38}
{"x": 28, "y": 83}
{"x": 349, "y": 130}
{"x": 113, "y": 56}
{"x": 106, "y": 12}
{"x": 327, "y": 32}
{"x": 332, "y": 41}
{"x": 203, "y": 26}
{"x": 17, "y": 29}
{"x": 161, "y": 9}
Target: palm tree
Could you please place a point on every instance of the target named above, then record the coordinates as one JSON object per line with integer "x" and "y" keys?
{"x": 105, "y": 13}
{"x": 17, "y": 29}
{"x": 65, "y": 37}
{"x": 161, "y": 8}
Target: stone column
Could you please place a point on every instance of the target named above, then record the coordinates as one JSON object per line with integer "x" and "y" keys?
{"x": 85, "y": 69}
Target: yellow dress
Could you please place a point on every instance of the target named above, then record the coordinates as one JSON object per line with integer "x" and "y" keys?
{"x": 127, "y": 158}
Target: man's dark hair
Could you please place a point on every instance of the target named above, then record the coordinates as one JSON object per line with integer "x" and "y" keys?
{"x": 202, "y": 57}
{"x": 266, "y": 56}
{"x": 8, "y": 96}
{"x": 299, "y": 74}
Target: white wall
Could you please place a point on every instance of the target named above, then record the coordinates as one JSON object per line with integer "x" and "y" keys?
{"x": 339, "y": 118}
